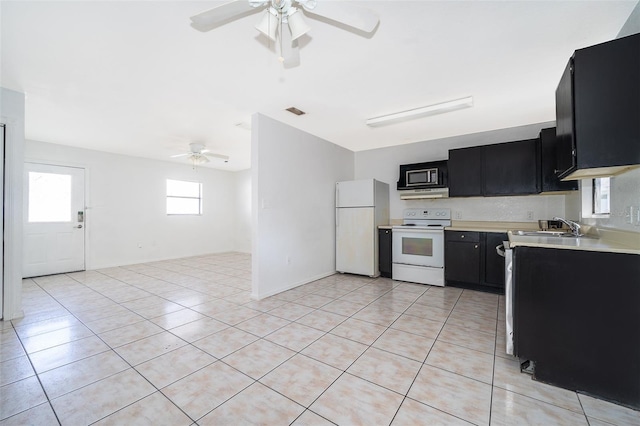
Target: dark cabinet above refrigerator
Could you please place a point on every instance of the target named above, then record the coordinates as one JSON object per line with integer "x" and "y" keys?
{"x": 598, "y": 110}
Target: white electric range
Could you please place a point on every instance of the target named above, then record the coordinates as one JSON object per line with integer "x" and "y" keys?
{"x": 418, "y": 246}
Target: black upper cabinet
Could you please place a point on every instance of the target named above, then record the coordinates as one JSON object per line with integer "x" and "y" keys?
{"x": 597, "y": 109}
{"x": 465, "y": 172}
{"x": 510, "y": 168}
{"x": 549, "y": 169}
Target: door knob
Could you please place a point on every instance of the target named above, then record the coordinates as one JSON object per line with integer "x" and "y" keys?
{"x": 79, "y": 226}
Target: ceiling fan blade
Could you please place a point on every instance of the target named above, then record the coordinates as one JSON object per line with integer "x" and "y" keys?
{"x": 218, "y": 156}
{"x": 218, "y": 16}
{"x": 363, "y": 20}
{"x": 180, "y": 155}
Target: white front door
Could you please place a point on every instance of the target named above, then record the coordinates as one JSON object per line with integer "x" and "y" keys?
{"x": 54, "y": 225}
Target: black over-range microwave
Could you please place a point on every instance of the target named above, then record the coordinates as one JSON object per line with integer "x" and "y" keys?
{"x": 433, "y": 174}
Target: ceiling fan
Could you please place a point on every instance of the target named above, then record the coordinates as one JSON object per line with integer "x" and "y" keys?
{"x": 198, "y": 154}
{"x": 277, "y": 13}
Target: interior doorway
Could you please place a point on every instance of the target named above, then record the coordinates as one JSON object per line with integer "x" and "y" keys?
{"x": 54, "y": 220}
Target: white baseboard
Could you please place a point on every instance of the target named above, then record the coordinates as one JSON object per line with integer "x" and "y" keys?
{"x": 291, "y": 286}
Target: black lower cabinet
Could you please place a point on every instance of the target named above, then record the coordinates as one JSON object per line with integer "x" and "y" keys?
{"x": 384, "y": 252}
{"x": 471, "y": 261}
{"x": 576, "y": 317}
{"x": 462, "y": 254}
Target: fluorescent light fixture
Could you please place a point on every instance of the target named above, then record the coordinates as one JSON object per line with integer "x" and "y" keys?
{"x": 422, "y": 111}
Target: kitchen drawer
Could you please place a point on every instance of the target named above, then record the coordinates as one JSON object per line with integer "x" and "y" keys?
{"x": 472, "y": 237}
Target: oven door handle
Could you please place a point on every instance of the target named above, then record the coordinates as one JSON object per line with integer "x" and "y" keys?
{"x": 416, "y": 231}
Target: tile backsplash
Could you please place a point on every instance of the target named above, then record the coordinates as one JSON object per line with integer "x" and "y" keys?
{"x": 625, "y": 193}
{"x": 493, "y": 209}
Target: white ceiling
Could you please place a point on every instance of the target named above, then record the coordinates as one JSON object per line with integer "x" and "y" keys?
{"x": 134, "y": 78}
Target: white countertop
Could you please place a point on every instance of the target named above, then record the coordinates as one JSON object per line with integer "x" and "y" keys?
{"x": 571, "y": 243}
{"x": 606, "y": 240}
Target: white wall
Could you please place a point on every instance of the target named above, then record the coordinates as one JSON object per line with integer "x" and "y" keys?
{"x": 243, "y": 211}
{"x": 293, "y": 177}
{"x": 126, "y": 200}
{"x": 12, "y": 115}
{"x": 632, "y": 26}
{"x": 382, "y": 164}
{"x": 625, "y": 192}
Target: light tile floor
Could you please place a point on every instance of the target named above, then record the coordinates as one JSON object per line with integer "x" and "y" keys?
{"x": 180, "y": 343}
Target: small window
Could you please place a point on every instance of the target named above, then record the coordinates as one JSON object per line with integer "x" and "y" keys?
{"x": 184, "y": 197}
{"x": 601, "y": 196}
{"x": 49, "y": 197}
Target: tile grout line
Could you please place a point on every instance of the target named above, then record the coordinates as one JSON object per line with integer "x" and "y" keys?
{"x": 89, "y": 384}
{"x": 37, "y": 375}
{"x": 110, "y": 349}
{"x": 425, "y": 358}
{"x": 357, "y": 291}
{"x": 45, "y": 291}
{"x": 493, "y": 370}
{"x": 300, "y": 353}
{"x": 359, "y": 356}
{"x": 145, "y": 378}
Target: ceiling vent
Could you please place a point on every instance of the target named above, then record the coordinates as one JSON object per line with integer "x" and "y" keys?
{"x": 296, "y": 111}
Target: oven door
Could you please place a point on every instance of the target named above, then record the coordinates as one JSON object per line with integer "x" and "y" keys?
{"x": 420, "y": 247}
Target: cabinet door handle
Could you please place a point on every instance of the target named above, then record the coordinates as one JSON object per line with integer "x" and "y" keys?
{"x": 476, "y": 246}
{"x": 462, "y": 236}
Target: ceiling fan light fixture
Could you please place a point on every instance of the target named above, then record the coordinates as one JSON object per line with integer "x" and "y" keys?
{"x": 297, "y": 25}
{"x": 268, "y": 25}
{"x": 411, "y": 114}
{"x": 198, "y": 159}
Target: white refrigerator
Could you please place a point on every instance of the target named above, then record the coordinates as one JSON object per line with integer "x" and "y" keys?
{"x": 361, "y": 206}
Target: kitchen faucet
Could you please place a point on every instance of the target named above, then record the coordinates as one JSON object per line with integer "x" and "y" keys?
{"x": 574, "y": 226}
